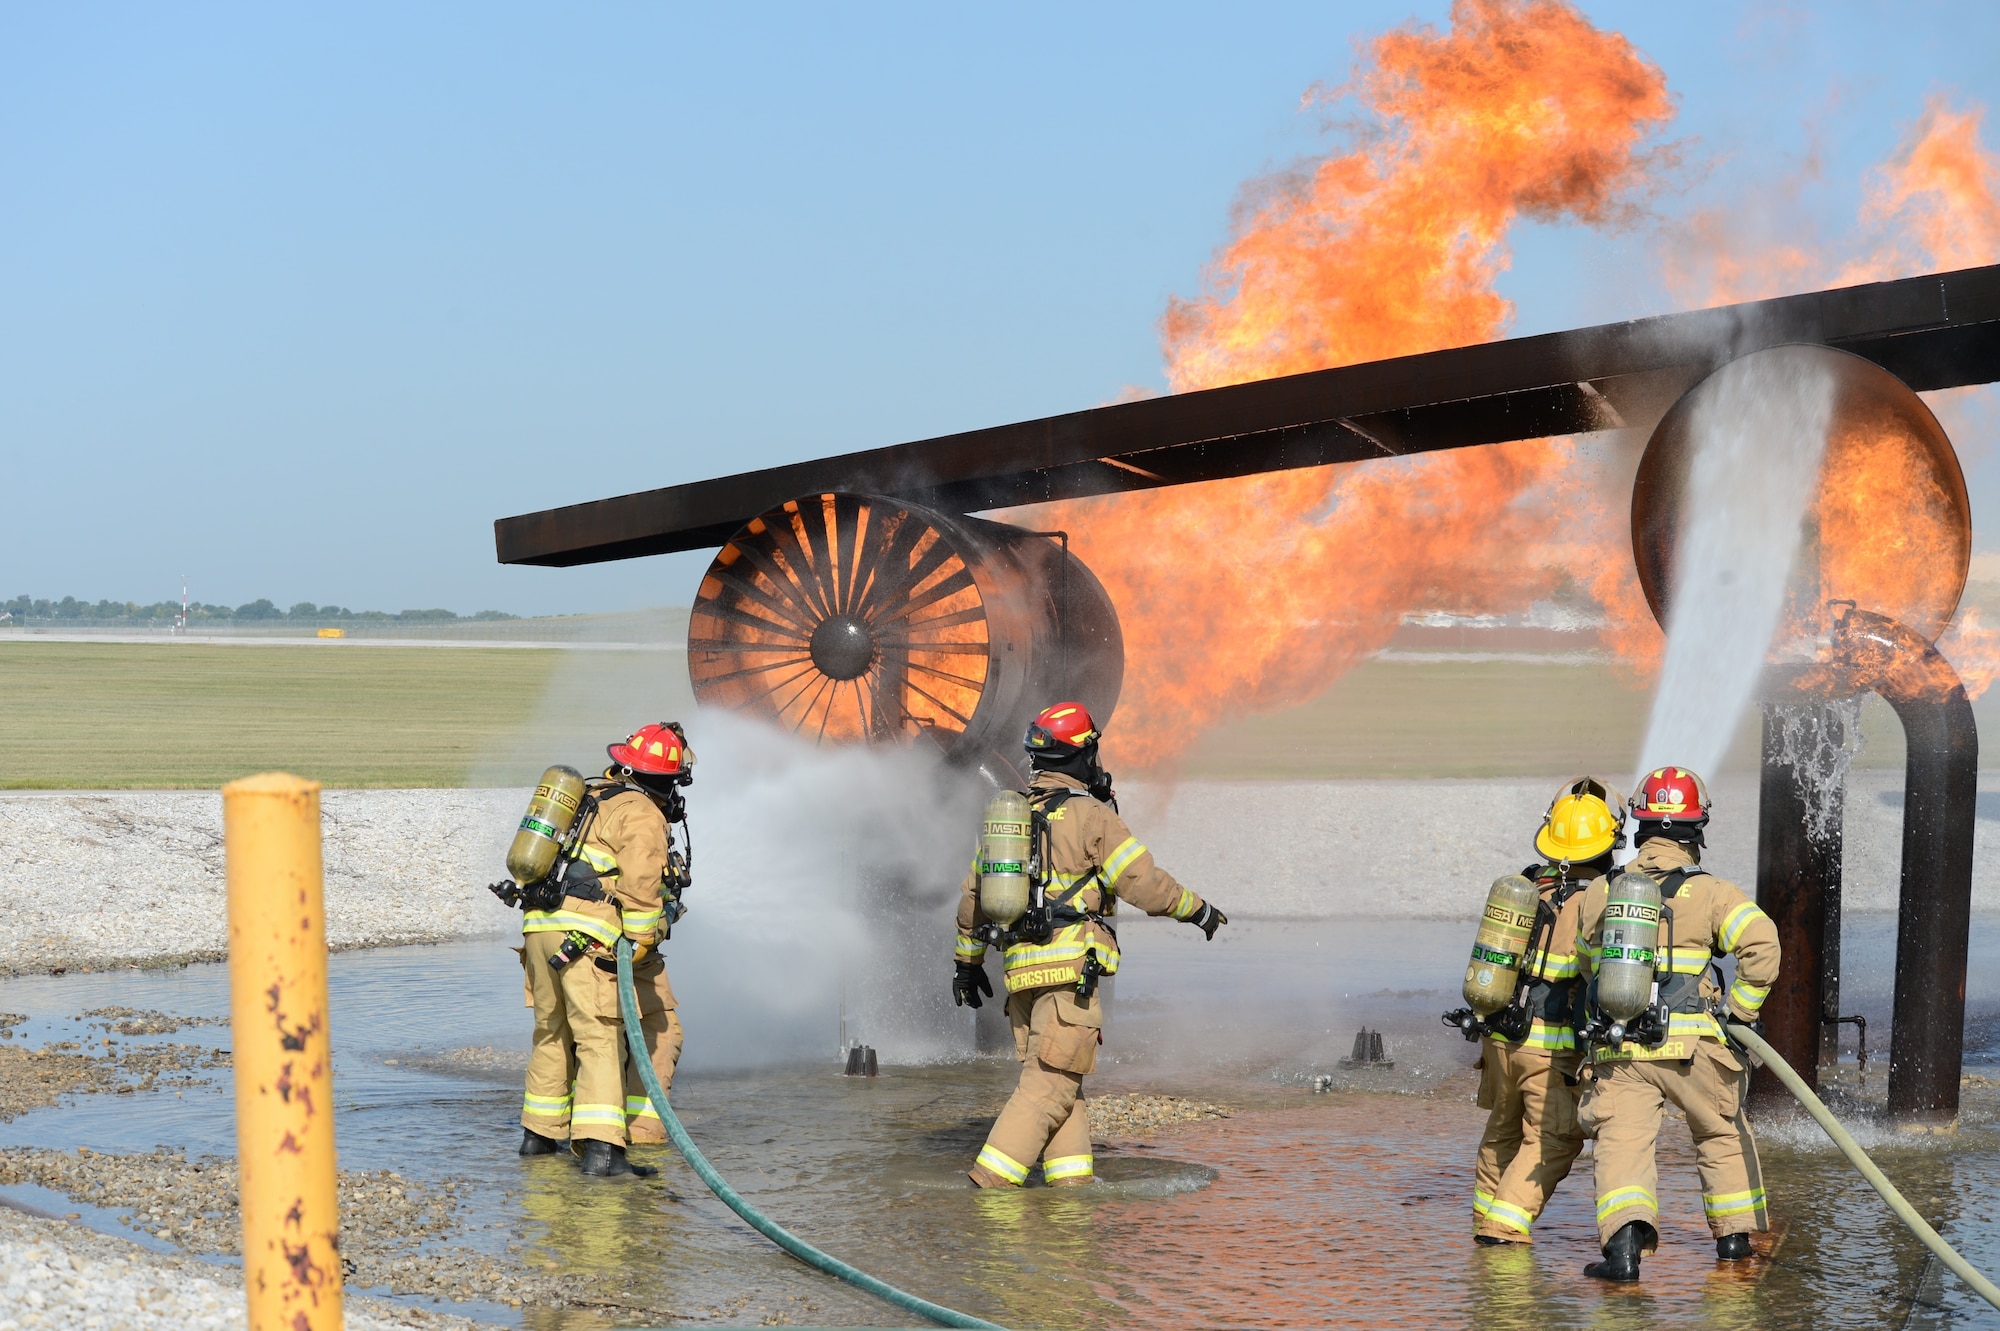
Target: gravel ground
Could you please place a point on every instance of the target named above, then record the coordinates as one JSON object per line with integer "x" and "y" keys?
{"x": 1115, "y": 1116}
{"x": 58, "y": 1275}
{"x": 115, "y": 878}
{"x": 30, "y": 1079}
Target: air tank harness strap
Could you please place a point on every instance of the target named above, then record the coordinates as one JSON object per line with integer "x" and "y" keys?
{"x": 642, "y": 1063}
{"x": 1060, "y": 911}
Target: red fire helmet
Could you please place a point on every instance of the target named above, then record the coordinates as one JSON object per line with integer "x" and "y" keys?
{"x": 1067, "y": 725}
{"x": 1671, "y": 795}
{"x": 656, "y": 750}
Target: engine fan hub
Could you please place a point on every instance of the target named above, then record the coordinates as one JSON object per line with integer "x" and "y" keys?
{"x": 843, "y": 647}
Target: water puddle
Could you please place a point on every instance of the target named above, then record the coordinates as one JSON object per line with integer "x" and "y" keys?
{"x": 1345, "y": 1209}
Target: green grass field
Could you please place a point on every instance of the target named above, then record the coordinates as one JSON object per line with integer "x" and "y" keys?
{"x": 109, "y": 715}
{"x": 104, "y": 715}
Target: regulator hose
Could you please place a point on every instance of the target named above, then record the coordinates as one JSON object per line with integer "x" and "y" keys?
{"x": 1859, "y": 1159}
{"x": 628, "y": 1005}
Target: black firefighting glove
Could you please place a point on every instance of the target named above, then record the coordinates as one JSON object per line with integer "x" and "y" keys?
{"x": 968, "y": 982}
{"x": 1208, "y": 919}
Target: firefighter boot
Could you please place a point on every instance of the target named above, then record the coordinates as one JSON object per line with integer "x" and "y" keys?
{"x": 1621, "y": 1255}
{"x": 606, "y": 1160}
{"x": 534, "y": 1143}
{"x": 1732, "y": 1248}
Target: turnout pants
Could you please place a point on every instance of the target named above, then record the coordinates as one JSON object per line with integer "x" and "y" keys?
{"x": 576, "y": 1084}
{"x": 1532, "y": 1136}
{"x": 1622, "y": 1107}
{"x": 1056, "y": 1035}
{"x": 661, "y": 1026}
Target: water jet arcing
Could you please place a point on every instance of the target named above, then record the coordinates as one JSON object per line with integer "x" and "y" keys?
{"x": 1888, "y": 532}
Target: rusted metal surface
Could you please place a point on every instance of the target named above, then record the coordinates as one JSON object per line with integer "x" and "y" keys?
{"x": 283, "y": 1053}
{"x": 1934, "y": 908}
{"x": 1936, "y": 331}
{"x": 1874, "y": 653}
{"x": 1880, "y": 431}
{"x": 1798, "y": 885}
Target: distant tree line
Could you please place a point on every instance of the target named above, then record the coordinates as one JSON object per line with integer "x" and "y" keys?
{"x": 69, "y": 610}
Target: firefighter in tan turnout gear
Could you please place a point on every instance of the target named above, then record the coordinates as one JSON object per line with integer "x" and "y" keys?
{"x": 608, "y": 867}
{"x": 1050, "y": 872}
{"x": 1663, "y": 922}
{"x": 1528, "y": 1057}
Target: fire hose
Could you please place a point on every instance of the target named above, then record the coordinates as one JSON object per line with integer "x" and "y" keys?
{"x": 1906, "y": 1213}
{"x": 628, "y": 1005}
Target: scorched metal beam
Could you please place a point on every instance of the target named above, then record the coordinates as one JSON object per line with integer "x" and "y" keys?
{"x": 1937, "y": 331}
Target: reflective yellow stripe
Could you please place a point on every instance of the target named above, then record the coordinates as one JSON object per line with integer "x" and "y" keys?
{"x": 1732, "y": 1203}
{"x": 1121, "y": 859}
{"x": 1557, "y": 966}
{"x": 610, "y": 1116}
{"x": 969, "y": 949}
{"x": 605, "y": 863}
{"x": 1481, "y": 1201}
{"x": 1748, "y": 997}
{"x": 1548, "y": 1035}
{"x": 1738, "y": 920}
{"x": 1068, "y": 1166}
{"x": 999, "y": 1162}
{"x": 1619, "y": 1198}
{"x": 1510, "y": 1215}
{"x": 641, "y": 921}
{"x": 1691, "y": 960}
{"x": 1068, "y": 944}
{"x": 1697, "y": 1024}
{"x": 550, "y": 1106}
{"x": 562, "y": 921}
{"x": 1684, "y": 1030}
{"x": 1186, "y": 904}
{"x": 640, "y": 1106}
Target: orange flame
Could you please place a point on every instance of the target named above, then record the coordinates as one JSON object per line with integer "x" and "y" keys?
{"x": 1275, "y": 584}
{"x": 1881, "y": 519}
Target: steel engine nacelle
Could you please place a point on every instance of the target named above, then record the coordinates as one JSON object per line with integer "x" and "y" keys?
{"x": 855, "y": 618}
{"x": 1890, "y": 526}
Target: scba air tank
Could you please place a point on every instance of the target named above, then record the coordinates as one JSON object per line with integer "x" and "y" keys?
{"x": 1630, "y": 947}
{"x": 551, "y": 814}
{"x": 1005, "y": 844}
{"x": 1499, "y": 947}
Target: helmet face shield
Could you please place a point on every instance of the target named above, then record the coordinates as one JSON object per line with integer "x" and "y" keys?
{"x": 1591, "y": 785}
{"x": 1061, "y": 729}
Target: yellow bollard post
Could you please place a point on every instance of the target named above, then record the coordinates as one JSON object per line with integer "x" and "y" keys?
{"x": 283, "y": 1054}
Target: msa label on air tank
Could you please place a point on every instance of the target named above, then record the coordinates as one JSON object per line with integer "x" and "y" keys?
{"x": 1494, "y": 957}
{"x": 1631, "y": 910}
{"x": 556, "y": 796}
{"x": 1006, "y": 829}
{"x": 1510, "y": 919}
{"x": 1002, "y": 866}
{"x": 540, "y": 828}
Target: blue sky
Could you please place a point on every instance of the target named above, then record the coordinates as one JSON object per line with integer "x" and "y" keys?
{"x": 298, "y": 301}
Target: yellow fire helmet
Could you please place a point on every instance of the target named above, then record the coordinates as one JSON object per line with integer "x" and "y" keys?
{"x": 1586, "y": 818}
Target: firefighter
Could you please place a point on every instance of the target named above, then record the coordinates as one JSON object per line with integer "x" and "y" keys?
{"x": 1053, "y": 958}
{"x": 625, "y": 881}
{"x": 1529, "y": 1065}
{"x": 1691, "y": 1064}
